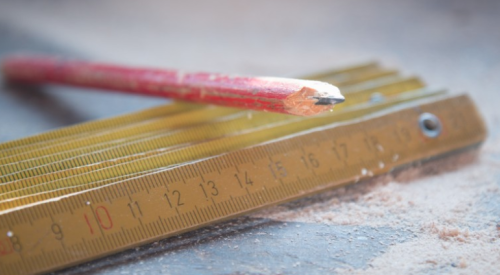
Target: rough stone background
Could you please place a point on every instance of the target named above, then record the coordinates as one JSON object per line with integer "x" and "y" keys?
{"x": 426, "y": 221}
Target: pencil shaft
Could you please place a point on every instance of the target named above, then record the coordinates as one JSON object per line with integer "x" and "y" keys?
{"x": 299, "y": 97}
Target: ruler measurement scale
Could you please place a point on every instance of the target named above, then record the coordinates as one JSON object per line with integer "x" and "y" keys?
{"x": 24, "y": 144}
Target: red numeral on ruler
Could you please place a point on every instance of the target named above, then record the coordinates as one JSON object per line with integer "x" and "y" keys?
{"x": 103, "y": 218}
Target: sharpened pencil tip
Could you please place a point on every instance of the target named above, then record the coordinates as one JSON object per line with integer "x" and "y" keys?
{"x": 326, "y": 94}
{"x": 328, "y": 100}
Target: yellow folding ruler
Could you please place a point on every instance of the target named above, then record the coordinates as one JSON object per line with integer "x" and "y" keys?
{"x": 82, "y": 192}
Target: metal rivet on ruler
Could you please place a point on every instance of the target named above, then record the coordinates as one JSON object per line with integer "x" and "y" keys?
{"x": 430, "y": 125}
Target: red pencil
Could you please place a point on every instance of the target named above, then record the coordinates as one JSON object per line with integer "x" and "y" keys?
{"x": 283, "y": 95}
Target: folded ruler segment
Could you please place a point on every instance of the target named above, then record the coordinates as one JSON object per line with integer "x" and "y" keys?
{"x": 59, "y": 216}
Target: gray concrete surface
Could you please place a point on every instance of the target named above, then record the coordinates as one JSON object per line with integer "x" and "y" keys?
{"x": 384, "y": 226}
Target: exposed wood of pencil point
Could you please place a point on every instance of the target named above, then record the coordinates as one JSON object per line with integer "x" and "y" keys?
{"x": 272, "y": 94}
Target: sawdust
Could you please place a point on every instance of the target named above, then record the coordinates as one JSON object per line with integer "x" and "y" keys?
{"x": 450, "y": 234}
